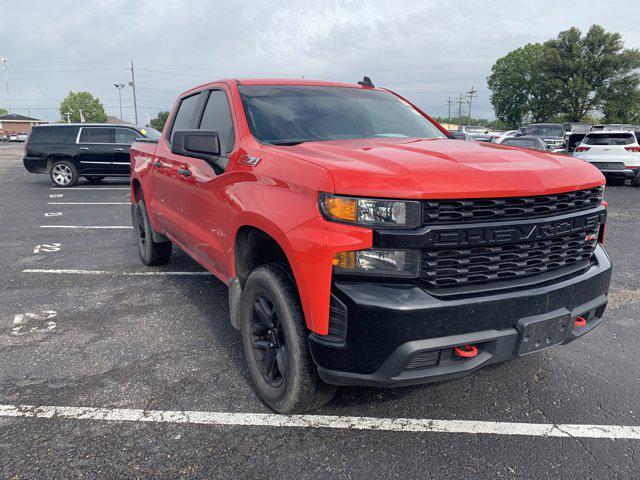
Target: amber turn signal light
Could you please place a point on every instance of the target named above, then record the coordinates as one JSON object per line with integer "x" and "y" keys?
{"x": 340, "y": 208}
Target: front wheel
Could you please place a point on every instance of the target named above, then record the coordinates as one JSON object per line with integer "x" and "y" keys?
{"x": 151, "y": 253}
{"x": 276, "y": 345}
{"x": 64, "y": 173}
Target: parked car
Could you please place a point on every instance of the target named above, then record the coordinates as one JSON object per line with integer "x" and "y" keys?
{"x": 22, "y": 137}
{"x": 499, "y": 137}
{"x": 93, "y": 151}
{"x": 477, "y": 132}
{"x": 458, "y": 135}
{"x": 552, "y": 134}
{"x": 358, "y": 242}
{"x": 615, "y": 153}
{"x": 574, "y": 133}
{"x": 531, "y": 143}
{"x": 13, "y": 137}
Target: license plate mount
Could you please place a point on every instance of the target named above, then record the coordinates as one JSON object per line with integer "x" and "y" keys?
{"x": 542, "y": 331}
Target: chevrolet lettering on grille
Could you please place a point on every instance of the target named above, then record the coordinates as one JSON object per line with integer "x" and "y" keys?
{"x": 512, "y": 233}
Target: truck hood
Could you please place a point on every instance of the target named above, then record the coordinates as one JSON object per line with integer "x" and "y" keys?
{"x": 443, "y": 168}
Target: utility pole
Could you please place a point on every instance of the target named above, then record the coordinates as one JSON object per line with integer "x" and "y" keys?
{"x": 449, "y": 103}
{"x": 133, "y": 86}
{"x": 460, "y": 101}
{"x": 4, "y": 61}
{"x": 120, "y": 86}
{"x": 148, "y": 120}
{"x": 471, "y": 94}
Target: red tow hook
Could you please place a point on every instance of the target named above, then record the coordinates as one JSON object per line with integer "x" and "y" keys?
{"x": 466, "y": 351}
{"x": 580, "y": 322}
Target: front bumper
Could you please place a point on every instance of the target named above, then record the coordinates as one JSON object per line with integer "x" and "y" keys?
{"x": 398, "y": 334}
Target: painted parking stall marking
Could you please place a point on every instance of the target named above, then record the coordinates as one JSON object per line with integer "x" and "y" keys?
{"x": 88, "y": 203}
{"x": 34, "y": 323}
{"x": 151, "y": 273}
{"x": 408, "y": 425}
{"x": 47, "y": 247}
{"x": 53, "y": 214}
{"x": 90, "y": 227}
{"x": 56, "y": 195}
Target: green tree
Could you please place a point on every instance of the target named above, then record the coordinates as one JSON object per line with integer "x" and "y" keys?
{"x": 565, "y": 78}
{"x": 159, "y": 121}
{"x": 92, "y": 109}
{"x": 519, "y": 89}
{"x": 3, "y": 111}
{"x": 622, "y": 106}
{"x": 586, "y": 70}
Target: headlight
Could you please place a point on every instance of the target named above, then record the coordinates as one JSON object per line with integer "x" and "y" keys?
{"x": 378, "y": 262}
{"x": 370, "y": 212}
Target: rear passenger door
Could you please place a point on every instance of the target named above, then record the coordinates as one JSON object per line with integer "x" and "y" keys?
{"x": 95, "y": 150}
{"x": 121, "y": 158}
{"x": 204, "y": 210}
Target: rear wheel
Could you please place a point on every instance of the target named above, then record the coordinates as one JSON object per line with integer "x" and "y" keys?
{"x": 64, "y": 173}
{"x": 276, "y": 346}
{"x": 635, "y": 181}
{"x": 151, "y": 253}
{"x": 94, "y": 179}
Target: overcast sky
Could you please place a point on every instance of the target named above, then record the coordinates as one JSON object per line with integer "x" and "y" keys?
{"x": 427, "y": 50}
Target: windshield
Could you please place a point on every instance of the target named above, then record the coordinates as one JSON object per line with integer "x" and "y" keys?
{"x": 151, "y": 133}
{"x": 550, "y": 130}
{"x": 609, "y": 139}
{"x": 287, "y": 115}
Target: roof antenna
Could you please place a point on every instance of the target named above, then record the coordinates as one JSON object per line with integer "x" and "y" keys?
{"x": 366, "y": 82}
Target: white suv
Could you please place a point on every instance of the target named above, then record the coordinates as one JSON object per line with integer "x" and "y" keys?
{"x": 615, "y": 153}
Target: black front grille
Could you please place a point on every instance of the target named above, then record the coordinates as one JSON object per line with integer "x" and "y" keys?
{"x": 467, "y": 266}
{"x": 437, "y": 212}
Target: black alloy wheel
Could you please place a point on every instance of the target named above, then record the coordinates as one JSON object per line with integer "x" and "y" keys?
{"x": 268, "y": 341}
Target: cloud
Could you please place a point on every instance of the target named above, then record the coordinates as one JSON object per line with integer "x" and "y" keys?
{"x": 428, "y": 51}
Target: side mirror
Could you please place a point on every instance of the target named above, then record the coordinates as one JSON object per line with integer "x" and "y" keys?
{"x": 203, "y": 144}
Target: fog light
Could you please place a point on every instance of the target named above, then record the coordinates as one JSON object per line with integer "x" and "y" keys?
{"x": 378, "y": 262}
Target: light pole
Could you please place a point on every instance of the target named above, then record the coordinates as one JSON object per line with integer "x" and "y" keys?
{"x": 68, "y": 114}
{"x": 120, "y": 86}
{"x": 4, "y": 61}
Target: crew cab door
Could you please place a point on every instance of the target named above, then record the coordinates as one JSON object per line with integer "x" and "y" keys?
{"x": 95, "y": 150}
{"x": 121, "y": 159}
{"x": 169, "y": 186}
{"x": 205, "y": 211}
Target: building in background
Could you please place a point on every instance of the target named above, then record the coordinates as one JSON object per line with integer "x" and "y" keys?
{"x": 13, "y": 123}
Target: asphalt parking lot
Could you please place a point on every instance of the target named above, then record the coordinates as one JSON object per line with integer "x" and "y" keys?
{"x": 147, "y": 377}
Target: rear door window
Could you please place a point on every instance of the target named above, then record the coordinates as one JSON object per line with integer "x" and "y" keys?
{"x": 53, "y": 135}
{"x": 126, "y": 136}
{"x": 98, "y": 135}
{"x": 184, "y": 115}
{"x": 217, "y": 117}
{"x": 609, "y": 139}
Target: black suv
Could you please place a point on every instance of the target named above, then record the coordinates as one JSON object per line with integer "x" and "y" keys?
{"x": 94, "y": 151}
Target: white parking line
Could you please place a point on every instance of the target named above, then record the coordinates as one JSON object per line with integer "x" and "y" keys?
{"x": 89, "y": 188}
{"x": 110, "y": 272}
{"x": 88, "y": 203}
{"x": 409, "y": 425}
{"x": 88, "y": 226}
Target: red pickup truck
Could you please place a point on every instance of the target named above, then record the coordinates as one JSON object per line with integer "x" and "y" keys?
{"x": 360, "y": 243}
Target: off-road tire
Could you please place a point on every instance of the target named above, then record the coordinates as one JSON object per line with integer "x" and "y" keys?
{"x": 63, "y": 173}
{"x": 300, "y": 388}
{"x": 151, "y": 253}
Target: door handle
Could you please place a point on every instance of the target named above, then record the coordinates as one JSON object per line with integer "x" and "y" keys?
{"x": 118, "y": 149}
{"x": 184, "y": 172}
{"x": 84, "y": 148}
{"x": 157, "y": 164}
